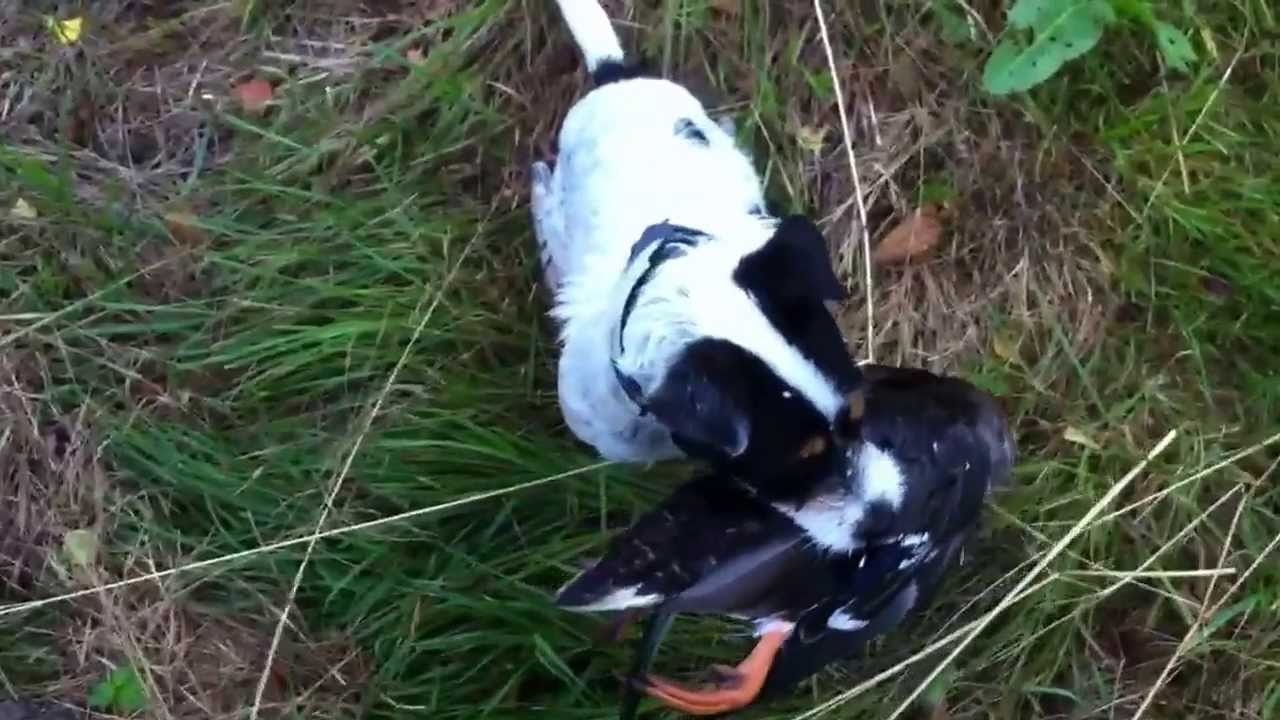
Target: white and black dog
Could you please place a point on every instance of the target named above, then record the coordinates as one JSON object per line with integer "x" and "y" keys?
{"x": 693, "y": 322}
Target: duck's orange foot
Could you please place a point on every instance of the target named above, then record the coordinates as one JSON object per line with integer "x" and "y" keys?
{"x": 736, "y": 689}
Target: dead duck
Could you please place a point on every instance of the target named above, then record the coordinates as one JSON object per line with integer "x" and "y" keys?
{"x": 819, "y": 575}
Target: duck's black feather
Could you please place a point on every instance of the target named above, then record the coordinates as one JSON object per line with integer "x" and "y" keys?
{"x": 935, "y": 425}
{"x": 952, "y": 443}
{"x": 879, "y": 594}
{"x": 717, "y": 546}
{"x": 711, "y": 547}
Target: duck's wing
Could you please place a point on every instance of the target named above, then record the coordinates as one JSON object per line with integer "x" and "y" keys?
{"x": 710, "y": 546}
{"x": 884, "y": 585}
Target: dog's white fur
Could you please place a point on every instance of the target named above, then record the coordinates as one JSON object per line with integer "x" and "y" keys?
{"x": 622, "y": 167}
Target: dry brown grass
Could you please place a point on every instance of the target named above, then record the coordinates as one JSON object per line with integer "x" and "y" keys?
{"x": 200, "y": 663}
{"x": 196, "y": 661}
{"x": 135, "y": 108}
{"x": 129, "y": 103}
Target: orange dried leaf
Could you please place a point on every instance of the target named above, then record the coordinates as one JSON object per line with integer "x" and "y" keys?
{"x": 911, "y": 239}
{"x": 254, "y": 95}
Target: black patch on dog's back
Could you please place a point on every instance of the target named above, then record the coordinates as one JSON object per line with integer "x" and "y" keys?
{"x": 690, "y": 131}
{"x": 611, "y": 71}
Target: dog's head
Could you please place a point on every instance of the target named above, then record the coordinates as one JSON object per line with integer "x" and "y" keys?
{"x": 738, "y": 354}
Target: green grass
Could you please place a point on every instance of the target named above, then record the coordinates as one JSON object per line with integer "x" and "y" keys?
{"x": 374, "y": 223}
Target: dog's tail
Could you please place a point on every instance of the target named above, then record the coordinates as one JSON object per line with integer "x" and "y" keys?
{"x": 594, "y": 34}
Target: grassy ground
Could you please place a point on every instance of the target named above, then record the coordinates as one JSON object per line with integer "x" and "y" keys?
{"x": 217, "y": 325}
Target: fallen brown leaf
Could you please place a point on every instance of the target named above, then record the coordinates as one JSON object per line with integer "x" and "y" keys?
{"x": 254, "y": 95}
{"x": 911, "y": 239}
{"x": 811, "y": 138}
{"x": 732, "y": 8}
{"x": 1005, "y": 347}
{"x": 185, "y": 230}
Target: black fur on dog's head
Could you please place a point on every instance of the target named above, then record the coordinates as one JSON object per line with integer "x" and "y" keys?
{"x": 723, "y": 403}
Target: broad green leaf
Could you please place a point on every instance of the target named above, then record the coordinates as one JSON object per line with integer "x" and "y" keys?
{"x": 102, "y": 694}
{"x": 1037, "y": 14}
{"x": 130, "y": 695}
{"x": 1174, "y": 46}
{"x": 956, "y": 28}
{"x": 1072, "y": 32}
{"x": 120, "y": 692}
{"x": 999, "y": 66}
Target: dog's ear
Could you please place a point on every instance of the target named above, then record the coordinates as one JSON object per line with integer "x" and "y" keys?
{"x": 791, "y": 276}
{"x": 792, "y": 266}
{"x": 703, "y": 399}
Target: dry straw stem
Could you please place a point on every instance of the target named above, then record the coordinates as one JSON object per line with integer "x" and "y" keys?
{"x": 1187, "y": 138}
{"x": 1082, "y": 525}
{"x": 1137, "y": 575}
{"x": 1172, "y": 542}
{"x": 47, "y": 318}
{"x": 272, "y": 547}
{"x": 1206, "y": 612}
{"x": 928, "y": 650}
{"x": 351, "y": 456}
{"x": 1131, "y": 574}
{"x": 1230, "y": 460}
{"x": 857, "y": 180}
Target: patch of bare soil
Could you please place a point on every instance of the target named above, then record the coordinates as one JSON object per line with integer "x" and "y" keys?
{"x": 129, "y": 99}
